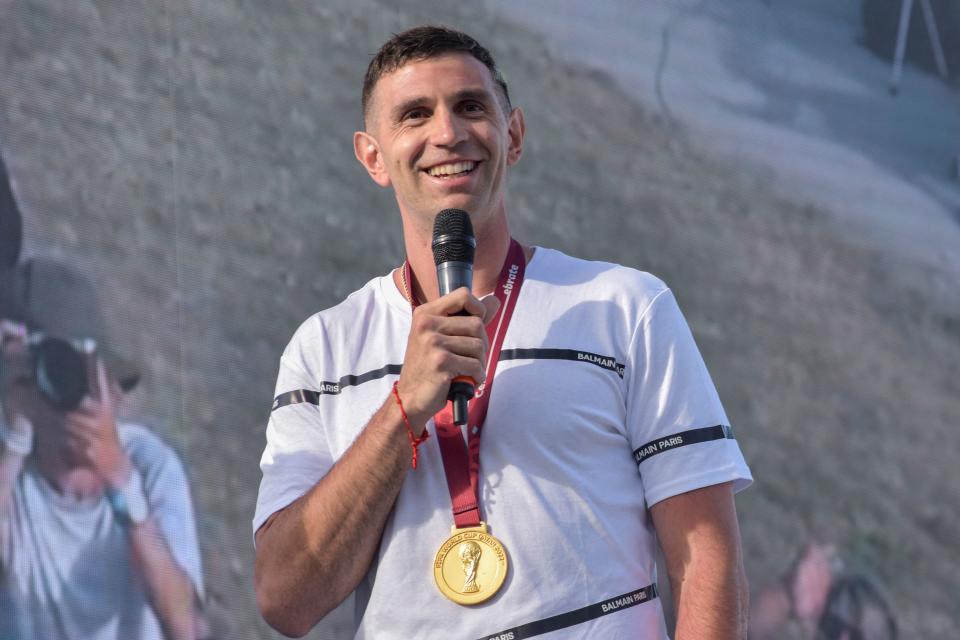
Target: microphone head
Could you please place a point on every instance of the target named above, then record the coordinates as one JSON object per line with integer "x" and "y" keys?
{"x": 453, "y": 239}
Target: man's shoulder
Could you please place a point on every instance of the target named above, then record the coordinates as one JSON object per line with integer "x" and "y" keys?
{"x": 146, "y": 449}
{"x": 347, "y": 312}
{"x": 603, "y": 279}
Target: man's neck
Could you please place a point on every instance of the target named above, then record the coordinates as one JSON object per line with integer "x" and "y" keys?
{"x": 493, "y": 243}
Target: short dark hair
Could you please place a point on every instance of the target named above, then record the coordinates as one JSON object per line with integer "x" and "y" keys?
{"x": 422, "y": 43}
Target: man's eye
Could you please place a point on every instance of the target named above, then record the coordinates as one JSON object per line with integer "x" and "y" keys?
{"x": 473, "y": 107}
{"x": 415, "y": 114}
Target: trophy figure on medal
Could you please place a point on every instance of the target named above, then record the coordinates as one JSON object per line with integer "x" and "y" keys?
{"x": 470, "y": 557}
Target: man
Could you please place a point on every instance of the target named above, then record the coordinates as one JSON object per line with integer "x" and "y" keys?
{"x": 596, "y": 374}
{"x": 97, "y": 537}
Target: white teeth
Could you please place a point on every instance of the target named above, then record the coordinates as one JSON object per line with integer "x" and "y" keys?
{"x": 451, "y": 169}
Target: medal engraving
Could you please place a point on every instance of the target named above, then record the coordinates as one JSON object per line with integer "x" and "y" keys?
{"x": 470, "y": 553}
{"x": 470, "y": 565}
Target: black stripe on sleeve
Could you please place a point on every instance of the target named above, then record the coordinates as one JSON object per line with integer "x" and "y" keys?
{"x": 352, "y": 381}
{"x": 578, "y": 616}
{"x": 332, "y": 388}
{"x": 682, "y": 439}
{"x": 604, "y": 362}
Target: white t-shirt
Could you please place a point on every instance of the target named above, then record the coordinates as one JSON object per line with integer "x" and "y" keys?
{"x": 65, "y": 565}
{"x": 598, "y": 370}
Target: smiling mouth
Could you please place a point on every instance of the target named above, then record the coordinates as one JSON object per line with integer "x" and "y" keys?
{"x": 453, "y": 169}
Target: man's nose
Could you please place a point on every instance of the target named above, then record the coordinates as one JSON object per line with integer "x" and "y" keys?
{"x": 448, "y": 129}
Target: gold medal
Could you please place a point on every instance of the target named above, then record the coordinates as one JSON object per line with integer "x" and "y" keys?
{"x": 470, "y": 566}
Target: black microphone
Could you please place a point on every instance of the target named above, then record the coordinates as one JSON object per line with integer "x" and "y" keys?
{"x": 453, "y": 248}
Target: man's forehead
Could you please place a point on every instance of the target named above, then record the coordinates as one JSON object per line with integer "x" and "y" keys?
{"x": 449, "y": 73}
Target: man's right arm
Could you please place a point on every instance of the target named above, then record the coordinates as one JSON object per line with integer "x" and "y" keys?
{"x": 11, "y": 462}
{"x": 313, "y": 553}
{"x": 15, "y": 444}
{"x": 16, "y": 431}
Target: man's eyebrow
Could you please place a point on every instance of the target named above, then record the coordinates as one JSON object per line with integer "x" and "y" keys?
{"x": 470, "y": 93}
{"x": 397, "y": 112}
{"x": 478, "y": 94}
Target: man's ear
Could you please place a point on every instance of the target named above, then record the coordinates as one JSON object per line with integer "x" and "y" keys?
{"x": 517, "y": 129}
{"x": 367, "y": 150}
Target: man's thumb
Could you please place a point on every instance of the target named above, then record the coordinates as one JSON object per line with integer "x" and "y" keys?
{"x": 492, "y": 304}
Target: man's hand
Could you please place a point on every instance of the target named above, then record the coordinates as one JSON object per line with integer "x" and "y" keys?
{"x": 92, "y": 433}
{"x": 442, "y": 346}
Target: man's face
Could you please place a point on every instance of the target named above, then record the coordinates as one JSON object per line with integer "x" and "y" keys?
{"x": 437, "y": 133}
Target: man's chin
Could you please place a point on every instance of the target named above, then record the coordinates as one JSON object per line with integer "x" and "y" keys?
{"x": 477, "y": 208}
{"x": 468, "y": 202}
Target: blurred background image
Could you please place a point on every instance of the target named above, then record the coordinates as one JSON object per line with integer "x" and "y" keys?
{"x": 774, "y": 162}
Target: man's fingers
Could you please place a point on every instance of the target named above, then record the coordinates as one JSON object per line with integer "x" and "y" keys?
{"x": 462, "y": 300}
{"x": 474, "y": 306}
{"x": 103, "y": 385}
{"x": 79, "y": 444}
{"x": 469, "y": 346}
{"x": 455, "y": 302}
{"x": 77, "y": 436}
{"x": 81, "y": 424}
{"x": 464, "y": 366}
{"x": 88, "y": 408}
{"x": 471, "y": 326}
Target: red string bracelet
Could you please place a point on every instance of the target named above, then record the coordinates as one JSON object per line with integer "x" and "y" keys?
{"x": 414, "y": 442}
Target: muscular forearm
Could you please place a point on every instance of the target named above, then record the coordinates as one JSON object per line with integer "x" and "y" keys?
{"x": 700, "y": 538}
{"x": 168, "y": 586}
{"x": 711, "y": 600}
{"x": 312, "y": 554}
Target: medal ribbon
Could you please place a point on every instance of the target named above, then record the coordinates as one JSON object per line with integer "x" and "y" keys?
{"x": 461, "y": 462}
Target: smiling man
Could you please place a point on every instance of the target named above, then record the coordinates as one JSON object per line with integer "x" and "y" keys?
{"x": 601, "y": 430}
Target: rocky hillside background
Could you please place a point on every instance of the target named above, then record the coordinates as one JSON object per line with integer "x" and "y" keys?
{"x": 195, "y": 157}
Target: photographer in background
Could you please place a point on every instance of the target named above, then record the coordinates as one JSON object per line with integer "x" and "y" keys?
{"x": 97, "y": 534}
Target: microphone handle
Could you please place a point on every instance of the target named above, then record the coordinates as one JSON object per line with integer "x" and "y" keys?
{"x": 453, "y": 275}
{"x": 450, "y": 277}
